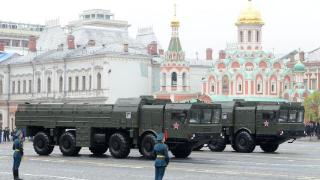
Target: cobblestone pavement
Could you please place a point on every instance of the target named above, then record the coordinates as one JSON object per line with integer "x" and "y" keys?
{"x": 299, "y": 160}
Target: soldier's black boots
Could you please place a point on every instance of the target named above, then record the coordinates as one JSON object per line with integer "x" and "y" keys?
{"x": 16, "y": 175}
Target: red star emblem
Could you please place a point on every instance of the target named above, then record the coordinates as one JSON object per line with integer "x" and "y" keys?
{"x": 176, "y": 125}
{"x": 266, "y": 124}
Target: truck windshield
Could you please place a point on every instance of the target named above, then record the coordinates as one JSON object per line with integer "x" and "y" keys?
{"x": 201, "y": 116}
{"x": 216, "y": 116}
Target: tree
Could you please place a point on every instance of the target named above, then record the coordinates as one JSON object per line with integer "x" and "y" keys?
{"x": 312, "y": 107}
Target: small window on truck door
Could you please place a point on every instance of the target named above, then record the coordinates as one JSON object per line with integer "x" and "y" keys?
{"x": 179, "y": 116}
{"x": 268, "y": 116}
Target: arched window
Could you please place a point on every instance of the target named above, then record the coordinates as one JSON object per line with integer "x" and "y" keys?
{"x": 70, "y": 84}
{"x": 249, "y": 36}
{"x": 24, "y": 86}
{"x": 259, "y": 86}
{"x": 164, "y": 79}
{"x": 258, "y": 36}
{"x": 30, "y": 86}
{"x": 174, "y": 79}
{"x": 18, "y": 87}
{"x": 99, "y": 81}
{"x": 184, "y": 79}
{"x": 13, "y": 87}
{"x": 83, "y": 83}
{"x": 225, "y": 84}
{"x": 273, "y": 87}
{"x": 39, "y": 85}
{"x": 212, "y": 88}
{"x": 90, "y": 82}
{"x": 77, "y": 83}
{"x": 239, "y": 85}
{"x": 60, "y": 84}
{"x": 49, "y": 85}
{"x": 241, "y": 36}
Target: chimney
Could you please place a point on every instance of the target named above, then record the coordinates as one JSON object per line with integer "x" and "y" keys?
{"x": 126, "y": 47}
{"x": 161, "y": 52}
{"x": 222, "y": 54}
{"x": 208, "y": 54}
{"x": 70, "y": 41}
{"x": 32, "y": 45}
{"x": 1, "y": 48}
{"x": 301, "y": 56}
{"x": 153, "y": 48}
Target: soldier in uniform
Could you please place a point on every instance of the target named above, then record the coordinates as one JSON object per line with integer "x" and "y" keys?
{"x": 162, "y": 157}
{"x": 18, "y": 153}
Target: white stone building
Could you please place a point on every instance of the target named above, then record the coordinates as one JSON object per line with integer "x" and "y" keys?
{"x": 93, "y": 60}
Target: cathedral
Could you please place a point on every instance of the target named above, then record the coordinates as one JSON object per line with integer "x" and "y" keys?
{"x": 242, "y": 71}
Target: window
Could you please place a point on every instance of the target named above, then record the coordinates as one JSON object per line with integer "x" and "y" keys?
{"x": 93, "y": 16}
{"x": 201, "y": 116}
{"x": 24, "y": 43}
{"x": 90, "y": 82}
{"x": 305, "y": 83}
{"x": 99, "y": 81}
{"x": 259, "y": 86}
{"x": 1, "y": 88}
{"x": 225, "y": 84}
{"x": 16, "y": 43}
{"x": 239, "y": 86}
{"x": 77, "y": 83}
{"x": 249, "y": 36}
{"x": 179, "y": 116}
{"x": 60, "y": 84}
{"x": 174, "y": 79}
{"x": 300, "y": 116}
{"x": 273, "y": 87}
{"x": 87, "y": 17}
{"x": 283, "y": 117}
{"x": 216, "y": 116}
{"x": 313, "y": 84}
{"x": 268, "y": 116}
{"x": 19, "y": 87}
{"x": 70, "y": 84}
{"x": 241, "y": 36}
{"x": 24, "y": 86}
{"x": 49, "y": 85}
{"x": 184, "y": 81}
{"x": 100, "y": 16}
{"x": 258, "y": 36}
{"x": 39, "y": 85}
{"x": 292, "y": 116}
{"x": 164, "y": 79}
{"x": 13, "y": 87}
{"x": 30, "y": 86}
{"x": 212, "y": 88}
{"x": 83, "y": 83}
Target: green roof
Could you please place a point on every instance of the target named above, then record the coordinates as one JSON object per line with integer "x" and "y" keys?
{"x": 175, "y": 45}
{"x": 299, "y": 67}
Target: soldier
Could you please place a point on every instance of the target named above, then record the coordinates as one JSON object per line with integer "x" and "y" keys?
{"x": 162, "y": 157}
{"x": 0, "y": 134}
{"x": 18, "y": 153}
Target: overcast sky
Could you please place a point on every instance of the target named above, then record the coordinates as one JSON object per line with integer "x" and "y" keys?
{"x": 289, "y": 24}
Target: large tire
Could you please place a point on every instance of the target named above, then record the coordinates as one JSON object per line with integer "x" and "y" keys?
{"x": 41, "y": 144}
{"x": 244, "y": 142}
{"x": 198, "y": 148}
{"x": 99, "y": 150}
{"x": 217, "y": 145}
{"x": 269, "y": 147}
{"x": 67, "y": 144}
{"x": 147, "y": 145}
{"x": 182, "y": 151}
{"x": 119, "y": 145}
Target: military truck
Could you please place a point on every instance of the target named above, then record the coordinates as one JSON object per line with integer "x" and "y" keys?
{"x": 267, "y": 124}
{"x": 129, "y": 123}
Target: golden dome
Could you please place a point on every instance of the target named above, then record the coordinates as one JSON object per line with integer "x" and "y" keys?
{"x": 250, "y": 15}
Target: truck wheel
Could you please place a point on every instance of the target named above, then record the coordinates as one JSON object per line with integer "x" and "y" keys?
{"x": 98, "y": 150}
{"x": 198, "y": 148}
{"x": 147, "y": 145}
{"x": 182, "y": 151}
{"x": 217, "y": 145}
{"x": 269, "y": 147}
{"x": 41, "y": 144}
{"x": 244, "y": 142}
{"x": 67, "y": 144}
{"x": 119, "y": 145}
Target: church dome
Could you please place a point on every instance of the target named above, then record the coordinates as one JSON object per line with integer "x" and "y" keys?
{"x": 250, "y": 15}
{"x": 299, "y": 67}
